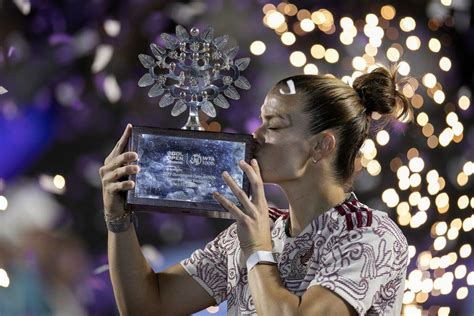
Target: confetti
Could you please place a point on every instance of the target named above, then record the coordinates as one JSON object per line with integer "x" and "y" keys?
{"x": 23, "y": 5}
{"x": 3, "y": 90}
{"x": 112, "y": 27}
{"x": 3, "y": 203}
{"x": 103, "y": 55}
{"x": 11, "y": 50}
{"x": 4, "y": 279}
{"x": 112, "y": 89}
{"x": 100, "y": 269}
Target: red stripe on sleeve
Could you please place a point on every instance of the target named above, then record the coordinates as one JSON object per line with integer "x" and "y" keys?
{"x": 275, "y": 213}
{"x": 350, "y": 226}
{"x": 340, "y": 210}
{"x": 369, "y": 218}
{"x": 353, "y": 208}
{"x": 359, "y": 219}
{"x": 365, "y": 209}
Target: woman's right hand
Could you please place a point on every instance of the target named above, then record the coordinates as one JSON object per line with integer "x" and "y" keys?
{"x": 116, "y": 166}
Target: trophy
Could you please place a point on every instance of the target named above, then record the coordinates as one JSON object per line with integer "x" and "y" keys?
{"x": 180, "y": 168}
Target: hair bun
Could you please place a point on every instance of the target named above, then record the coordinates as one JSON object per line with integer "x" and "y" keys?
{"x": 378, "y": 93}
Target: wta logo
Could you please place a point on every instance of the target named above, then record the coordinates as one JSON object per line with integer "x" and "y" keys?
{"x": 195, "y": 160}
{"x": 198, "y": 159}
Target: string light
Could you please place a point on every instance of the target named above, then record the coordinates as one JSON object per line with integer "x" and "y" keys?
{"x": 407, "y": 24}
{"x": 311, "y": 69}
{"x": 307, "y": 25}
{"x": 464, "y": 102}
{"x": 388, "y": 12}
{"x": 445, "y": 63}
{"x": 297, "y": 59}
{"x": 331, "y": 55}
{"x": 434, "y": 45}
{"x": 275, "y": 19}
{"x": 257, "y": 48}
{"x": 288, "y": 38}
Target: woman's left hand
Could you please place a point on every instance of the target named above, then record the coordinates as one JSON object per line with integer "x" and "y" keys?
{"x": 253, "y": 226}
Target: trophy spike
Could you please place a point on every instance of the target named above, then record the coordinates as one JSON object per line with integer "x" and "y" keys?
{"x": 194, "y": 70}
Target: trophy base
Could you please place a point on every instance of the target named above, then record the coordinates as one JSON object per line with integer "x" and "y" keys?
{"x": 180, "y": 169}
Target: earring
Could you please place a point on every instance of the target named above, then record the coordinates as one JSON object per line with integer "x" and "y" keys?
{"x": 314, "y": 161}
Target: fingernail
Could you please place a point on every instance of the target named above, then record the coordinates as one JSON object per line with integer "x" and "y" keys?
{"x": 225, "y": 174}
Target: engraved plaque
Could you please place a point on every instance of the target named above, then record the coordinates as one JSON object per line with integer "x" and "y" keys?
{"x": 180, "y": 169}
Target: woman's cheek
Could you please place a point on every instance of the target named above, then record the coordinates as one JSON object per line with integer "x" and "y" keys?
{"x": 275, "y": 167}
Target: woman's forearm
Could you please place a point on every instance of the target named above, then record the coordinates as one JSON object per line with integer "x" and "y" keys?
{"x": 269, "y": 295}
{"x": 134, "y": 283}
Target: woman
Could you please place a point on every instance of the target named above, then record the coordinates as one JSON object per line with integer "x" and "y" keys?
{"x": 328, "y": 254}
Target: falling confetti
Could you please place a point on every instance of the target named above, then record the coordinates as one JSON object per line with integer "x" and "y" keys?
{"x": 4, "y": 279}
{"x": 23, "y": 5}
{"x": 11, "y": 50}
{"x": 3, "y": 90}
{"x": 112, "y": 89}
{"x": 103, "y": 55}
{"x": 112, "y": 27}
{"x": 3, "y": 203}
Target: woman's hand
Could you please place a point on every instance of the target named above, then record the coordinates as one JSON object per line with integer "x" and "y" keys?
{"x": 253, "y": 226}
{"x": 115, "y": 167}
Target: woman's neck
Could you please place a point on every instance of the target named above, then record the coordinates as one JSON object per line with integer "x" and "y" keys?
{"x": 308, "y": 199}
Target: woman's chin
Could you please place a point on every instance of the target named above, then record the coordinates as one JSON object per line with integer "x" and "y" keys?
{"x": 268, "y": 176}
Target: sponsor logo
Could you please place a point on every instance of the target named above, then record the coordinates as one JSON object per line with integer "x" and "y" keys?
{"x": 198, "y": 159}
{"x": 195, "y": 160}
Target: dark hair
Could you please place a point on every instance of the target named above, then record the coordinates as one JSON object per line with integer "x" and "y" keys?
{"x": 331, "y": 103}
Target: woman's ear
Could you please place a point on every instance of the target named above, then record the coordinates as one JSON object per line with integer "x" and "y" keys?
{"x": 323, "y": 144}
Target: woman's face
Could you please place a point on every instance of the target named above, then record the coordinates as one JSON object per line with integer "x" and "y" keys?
{"x": 283, "y": 136}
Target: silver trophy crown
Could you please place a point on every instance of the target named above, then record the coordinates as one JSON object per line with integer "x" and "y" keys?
{"x": 195, "y": 71}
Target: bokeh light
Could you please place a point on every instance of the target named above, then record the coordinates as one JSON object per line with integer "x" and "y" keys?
{"x": 258, "y": 48}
